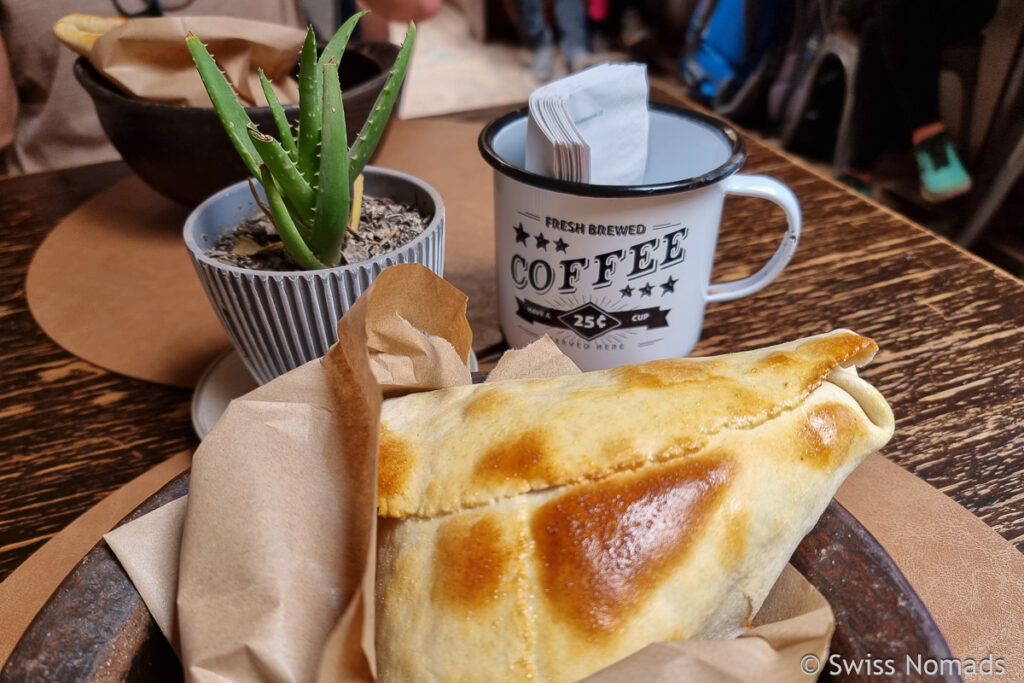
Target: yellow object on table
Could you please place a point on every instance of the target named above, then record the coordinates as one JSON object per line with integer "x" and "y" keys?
{"x": 80, "y": 31}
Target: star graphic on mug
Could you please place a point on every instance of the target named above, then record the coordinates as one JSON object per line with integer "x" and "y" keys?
{"x": 561, "y": 245}
{"x": 668, "y": 286}
{"x": 646, "y": 290}
{"x": 626, "y": 291}
{"x": 542, "y": 241}
{"x": 521, "y": 234}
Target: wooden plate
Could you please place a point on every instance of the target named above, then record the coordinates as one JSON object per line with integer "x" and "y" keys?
{"x": 95, "y": 627}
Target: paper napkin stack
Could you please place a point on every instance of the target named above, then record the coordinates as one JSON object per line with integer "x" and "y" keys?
{"x": 591, "y": 127}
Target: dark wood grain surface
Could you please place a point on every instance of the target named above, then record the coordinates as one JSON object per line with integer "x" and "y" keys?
{"x": 70, "y": 432}
{"x": 950, "y": 326}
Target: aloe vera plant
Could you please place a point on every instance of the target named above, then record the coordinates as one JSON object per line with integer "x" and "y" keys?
{"x": 308, "y": 175}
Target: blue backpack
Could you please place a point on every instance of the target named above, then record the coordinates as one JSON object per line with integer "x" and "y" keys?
{"x": 726, "y": 41}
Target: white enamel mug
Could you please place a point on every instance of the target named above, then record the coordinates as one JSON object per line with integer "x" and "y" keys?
{"x": 619, "y": 274}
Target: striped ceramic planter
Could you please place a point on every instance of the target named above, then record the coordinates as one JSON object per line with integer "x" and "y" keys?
{"x": 280, "y": 320}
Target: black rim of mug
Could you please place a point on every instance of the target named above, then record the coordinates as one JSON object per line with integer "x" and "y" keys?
{"x": 738, "y": 153}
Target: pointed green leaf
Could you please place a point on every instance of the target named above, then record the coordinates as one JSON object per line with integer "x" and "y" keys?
{"x": 293, "y": 243}
{"x": 369, "y": 136}
{"x": 283, "y": 127}
{"x": 332, "y": 192}
{"x": 336, "y": 46}
{"x": 310, "y": 108}
{"x": 230, "y": 111}
{"x": 300, "y": 195}
{"x": 305, "y": 228}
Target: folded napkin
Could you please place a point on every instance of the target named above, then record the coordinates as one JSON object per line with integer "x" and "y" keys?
{"x": 591, "y": 127}
{"x": 148, "y": 59}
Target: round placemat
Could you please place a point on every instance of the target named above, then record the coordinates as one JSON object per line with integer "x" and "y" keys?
{"x": 113, "y": 285}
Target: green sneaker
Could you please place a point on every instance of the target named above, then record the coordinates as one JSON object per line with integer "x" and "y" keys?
{"x": 943, "y": 176}
{"x": 855, "y": 183}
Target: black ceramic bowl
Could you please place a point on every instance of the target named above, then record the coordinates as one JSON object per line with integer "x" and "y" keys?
{"x": 184, "y": 153}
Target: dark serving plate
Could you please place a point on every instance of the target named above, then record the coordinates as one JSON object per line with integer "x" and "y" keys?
{"x": 95, "y": 627}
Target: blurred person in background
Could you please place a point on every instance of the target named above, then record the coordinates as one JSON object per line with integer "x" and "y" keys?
{"x": 897, "y": 84}
{"x": 616, "y": 24}
{"x": 571, "y": 18}
{"x": 47, "y": 120}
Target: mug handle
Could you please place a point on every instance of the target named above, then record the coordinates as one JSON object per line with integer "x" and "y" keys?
{"x": 763, "y": 187}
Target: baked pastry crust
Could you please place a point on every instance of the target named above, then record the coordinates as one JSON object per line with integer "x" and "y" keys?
{"x": 551, "y": 527}
{"x": 471, "y": 445}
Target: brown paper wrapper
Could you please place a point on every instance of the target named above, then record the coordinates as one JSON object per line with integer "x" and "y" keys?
{"x": 278, "y": 553}
{"x": 464, "y": 181}
{"x": 788, "y": 627}
{"x": 150, "y": 546}
{"x": 148, "y": 58}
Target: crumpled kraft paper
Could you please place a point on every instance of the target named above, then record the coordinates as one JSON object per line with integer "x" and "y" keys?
{"x": 148, "y": 59}
{"x": 278, "y": 546}
{"x": 150, "y": 546}
{"x": 790, "y": 620}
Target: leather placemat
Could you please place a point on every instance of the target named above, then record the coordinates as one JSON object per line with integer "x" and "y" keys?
{"x": 969, "y": 577}
{"x": 113, "y": 285}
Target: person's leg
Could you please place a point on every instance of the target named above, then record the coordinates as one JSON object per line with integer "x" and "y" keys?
{"x": 598, "y": 25}
{"x": 914, "y": 33}
{"x": 572, "y": 22}
{"x": 532, "y": 23}
{"x": 537, "y": 36}
{"x": 911, "y": 40}
{"x": 871, "y": 92}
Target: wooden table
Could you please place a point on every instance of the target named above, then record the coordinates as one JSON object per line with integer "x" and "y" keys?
{"x": 951, "y": 329}
{"x": 61, "y": 449}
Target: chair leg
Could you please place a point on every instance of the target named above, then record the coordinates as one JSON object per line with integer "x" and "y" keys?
{"x": 1004, "y": 181}
{"x": 963, "y": 61}
{"x": 841, "y": 156}
{"x": 798, "y": 107}
{"x": 846, "y": 49}
{"x": 968, "y": 87}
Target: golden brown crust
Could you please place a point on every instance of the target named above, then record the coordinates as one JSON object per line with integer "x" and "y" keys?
{"x": 396, "y": 464}
{"x": 828, "y": 432}
{"x": 604, "y": 546}
{"x": 634, "y": 415}
{"x": 472, "y": 558}
{"x": 524, "y": 458}
{"x": 561, "y": 580}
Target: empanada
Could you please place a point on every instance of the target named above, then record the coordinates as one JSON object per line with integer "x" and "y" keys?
{"x": 547, "y": 528}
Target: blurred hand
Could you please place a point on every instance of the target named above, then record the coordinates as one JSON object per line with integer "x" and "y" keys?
{"x": 8, "y": 99}
{"x": 403, "y": 10}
